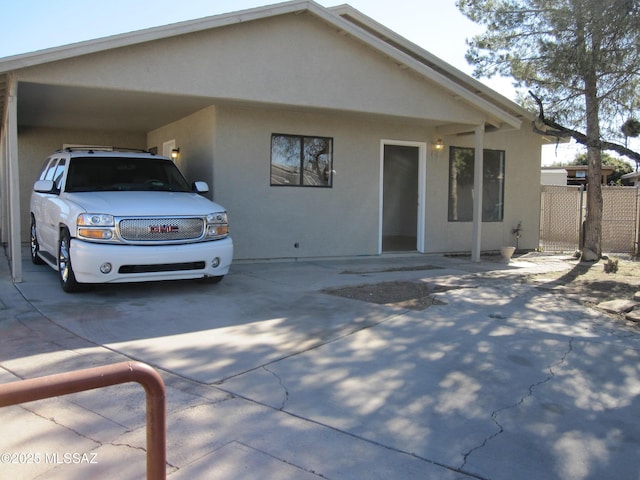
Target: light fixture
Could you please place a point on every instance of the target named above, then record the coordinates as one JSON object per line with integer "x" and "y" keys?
{"x": 439, "y": 145}
{"x": 175, "y": 153}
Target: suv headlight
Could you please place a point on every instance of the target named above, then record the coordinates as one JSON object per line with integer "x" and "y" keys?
{"x": 96, "y": 226}
{"x": 217, "y": 225}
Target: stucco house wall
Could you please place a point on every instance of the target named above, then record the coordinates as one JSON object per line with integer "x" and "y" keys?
{"x": 268, "y": 221}
{"x": 276, "y": 222}
{"x": 195, "y": 136}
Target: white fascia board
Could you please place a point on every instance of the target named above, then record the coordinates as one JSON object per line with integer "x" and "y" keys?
{"x": 465, "y": 89}
{"x": 16, "y": 62}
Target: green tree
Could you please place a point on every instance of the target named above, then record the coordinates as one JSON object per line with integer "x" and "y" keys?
{"x": 582, "y": 59}
{"x": 630, "y": 128}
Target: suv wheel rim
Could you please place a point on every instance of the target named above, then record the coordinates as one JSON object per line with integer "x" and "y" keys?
{"x": 34, "y": 240}
{"x": 63, "y": 260}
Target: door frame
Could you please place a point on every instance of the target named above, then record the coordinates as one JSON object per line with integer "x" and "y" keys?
{"x": 422, "y": 188}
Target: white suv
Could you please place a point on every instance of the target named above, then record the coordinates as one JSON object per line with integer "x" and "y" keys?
{"x": 112, "y": 216}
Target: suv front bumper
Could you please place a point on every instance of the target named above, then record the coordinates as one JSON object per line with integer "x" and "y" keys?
{"x": 140, "y": 263}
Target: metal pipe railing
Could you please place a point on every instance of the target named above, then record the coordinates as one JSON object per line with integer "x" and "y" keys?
{"x": 91, "y": 378}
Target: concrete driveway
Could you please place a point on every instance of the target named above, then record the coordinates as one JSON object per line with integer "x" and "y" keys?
{"x": 269, "y": 377}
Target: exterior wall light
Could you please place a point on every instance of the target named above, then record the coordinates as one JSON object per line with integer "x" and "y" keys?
{"x": 439, "y": 145}
{"x": 175, "y": 153}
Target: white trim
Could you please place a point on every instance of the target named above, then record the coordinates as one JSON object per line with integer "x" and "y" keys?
{"x": 422, "y": 188}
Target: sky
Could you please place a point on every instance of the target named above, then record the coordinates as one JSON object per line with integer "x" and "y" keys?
{"x": 435, "y": 25}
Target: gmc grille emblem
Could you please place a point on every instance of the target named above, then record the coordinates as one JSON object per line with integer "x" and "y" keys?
{"x": 163, "y": 228}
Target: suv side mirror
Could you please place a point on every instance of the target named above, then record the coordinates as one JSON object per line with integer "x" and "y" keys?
{"x": 200, "y": 187}
{"x": 44, "y": 186}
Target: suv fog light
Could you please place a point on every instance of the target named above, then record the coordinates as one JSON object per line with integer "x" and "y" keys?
{"x": 215, "y": 262}
{"x": 105, "y": 267}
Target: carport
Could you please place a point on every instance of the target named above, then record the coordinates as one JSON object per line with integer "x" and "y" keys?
{"x": 31, "y": 105}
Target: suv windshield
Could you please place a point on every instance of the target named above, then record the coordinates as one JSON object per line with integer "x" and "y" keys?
{"x": 90, "y": 174}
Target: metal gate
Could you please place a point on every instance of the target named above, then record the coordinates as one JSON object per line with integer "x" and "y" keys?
{"x": 620, "y": 219}
{"x": 562, "y": 213}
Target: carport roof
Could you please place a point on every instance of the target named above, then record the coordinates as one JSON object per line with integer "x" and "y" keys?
{"x": 100, "y": 109}
{"x": 500, "y": 111}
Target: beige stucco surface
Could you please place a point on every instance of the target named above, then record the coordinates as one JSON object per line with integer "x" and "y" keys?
{"x": 269, "y": 221}
{"x": 521, "y": 193}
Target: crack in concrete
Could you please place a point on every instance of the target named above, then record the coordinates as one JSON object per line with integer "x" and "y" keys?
{"x": 530, "y": 393}
{"x": 286, "y": 391}
{"x": 118, "y": 444}
{"x": 66, "y": 427}
{"x": 98, "y": 443}
{"x": 277, "y": 458}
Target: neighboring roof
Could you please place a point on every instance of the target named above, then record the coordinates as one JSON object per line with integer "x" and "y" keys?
{"x": 583, "y": 168}
{"x": 500, "y": 110}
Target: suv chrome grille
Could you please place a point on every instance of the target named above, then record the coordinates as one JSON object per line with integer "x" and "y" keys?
{"x": 161, "y": 229}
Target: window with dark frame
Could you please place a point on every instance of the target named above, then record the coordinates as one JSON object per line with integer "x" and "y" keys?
{"x": 461, "y": 172}
{"x": 301, "y": 161}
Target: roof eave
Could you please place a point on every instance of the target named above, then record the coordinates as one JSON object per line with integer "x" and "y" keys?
{"x": 496, "y": 105}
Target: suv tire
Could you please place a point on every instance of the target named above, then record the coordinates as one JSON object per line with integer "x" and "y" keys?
{"x": 65, "y": 269}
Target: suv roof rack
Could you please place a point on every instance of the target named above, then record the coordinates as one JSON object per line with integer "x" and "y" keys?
{"x": 101, "y": 148}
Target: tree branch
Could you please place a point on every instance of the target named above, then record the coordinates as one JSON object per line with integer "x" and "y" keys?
{"x": 544, "y": 126}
